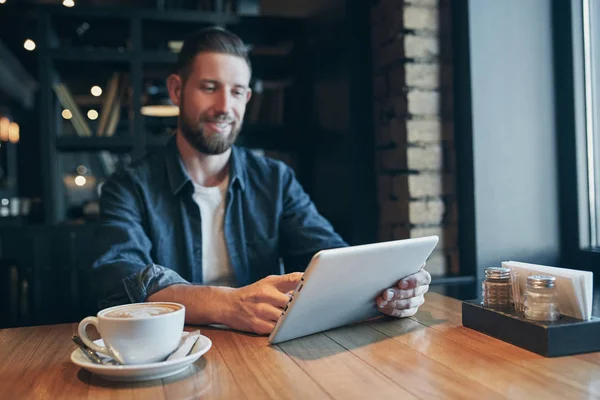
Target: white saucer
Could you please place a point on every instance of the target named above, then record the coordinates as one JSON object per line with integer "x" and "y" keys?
{"x": 142, "y": 372}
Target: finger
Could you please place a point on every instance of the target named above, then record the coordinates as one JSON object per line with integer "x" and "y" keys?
{"x": 268, "y": 312}
{"x": 405, "y": 304}
{"x": 394, "y": 312}
{"x": 420, "y": 278}
{"x": 381, "y": 303}
{"x": 396, "y": 294}
{"x": 275, "y": 298}
{"x": 262, "y": 327}
{"x": 413, "y": 302}
{"x": 288, "y": 282}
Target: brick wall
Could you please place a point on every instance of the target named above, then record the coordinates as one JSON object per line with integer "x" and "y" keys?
{"x": 412, "y": 93}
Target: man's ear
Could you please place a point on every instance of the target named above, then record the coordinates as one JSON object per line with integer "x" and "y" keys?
{"x": 175, "y": 86}
{"x": 248, "y": 95}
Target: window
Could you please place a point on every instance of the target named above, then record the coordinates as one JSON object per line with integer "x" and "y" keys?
{"x": 577, "y": 79}
{"x": 586, "y": 84}
{"x": 590, "y": 21}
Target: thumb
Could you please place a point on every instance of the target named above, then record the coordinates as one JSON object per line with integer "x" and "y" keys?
{"x": 288, "y": 282}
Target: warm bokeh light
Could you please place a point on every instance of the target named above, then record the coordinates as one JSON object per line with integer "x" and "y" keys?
{"x": 80, "y": 180}
{"x": 160, "y": 111}
{"x": 96, "y": 91}
{"x": 68, "y": 3}
{"x": 4, "y": 127}
{"x": 29, "y": 45}
{"x": 92, "y": 114}
{"x": 2, "y": 1}
{"x": 13, "y": 133}
{"x": 67, "y": 114}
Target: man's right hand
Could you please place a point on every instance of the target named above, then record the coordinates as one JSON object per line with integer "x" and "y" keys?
{"x": 257, "y": 307}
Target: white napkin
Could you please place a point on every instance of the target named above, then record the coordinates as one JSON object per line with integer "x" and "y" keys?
{"x": 185, "y": 346}
{"x": 574, "y": 287}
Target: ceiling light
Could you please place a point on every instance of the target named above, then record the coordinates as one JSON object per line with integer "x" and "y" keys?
{"x": 96, "y": 91}
{"x": 92, "y": 114}
{"x": 175, "y": 45}
{"x": 29, "y": 45}
{"x": 67, "y": 114}
{"x": 2, "y": 1}
{"x": 160, "y": 111}
{"x": 68, "y": 3}
{"x": 80, "y": 180}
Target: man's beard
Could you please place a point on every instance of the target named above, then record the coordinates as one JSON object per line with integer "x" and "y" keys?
{"x": 209, "y": 143}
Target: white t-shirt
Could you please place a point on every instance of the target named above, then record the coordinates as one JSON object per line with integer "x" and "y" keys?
{"x": 216, "y": 265}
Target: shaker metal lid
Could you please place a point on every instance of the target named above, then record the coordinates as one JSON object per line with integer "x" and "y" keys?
{"x": 541, "y": 281}
{"x": 497, "y": 273}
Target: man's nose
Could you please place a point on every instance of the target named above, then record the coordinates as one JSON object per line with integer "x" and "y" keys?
{"x": 223, "y": 104}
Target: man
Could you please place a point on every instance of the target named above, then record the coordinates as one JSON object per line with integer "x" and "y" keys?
{"x": 205, "y": 223}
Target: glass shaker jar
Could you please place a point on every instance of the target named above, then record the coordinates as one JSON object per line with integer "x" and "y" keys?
{"x": 541, "y": 298}
{"x": 496, "y": 288}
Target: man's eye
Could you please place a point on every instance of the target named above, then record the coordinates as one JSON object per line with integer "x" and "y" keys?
{"x": 208, "y": 88}
{"x": 239, "y": 93}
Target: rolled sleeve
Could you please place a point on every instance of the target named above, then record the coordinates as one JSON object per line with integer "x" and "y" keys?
{"x": 150, "y": 280}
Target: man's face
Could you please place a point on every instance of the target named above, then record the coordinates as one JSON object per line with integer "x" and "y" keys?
{"x": 212, "y": 101}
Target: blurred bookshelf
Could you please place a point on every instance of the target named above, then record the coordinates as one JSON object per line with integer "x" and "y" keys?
{"x": 125, "y": 55}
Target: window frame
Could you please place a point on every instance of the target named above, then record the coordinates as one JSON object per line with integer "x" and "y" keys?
{"x": 572, "y": 137}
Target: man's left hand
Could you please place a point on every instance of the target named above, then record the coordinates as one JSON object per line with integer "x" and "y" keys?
{"x": 406, "y": 297}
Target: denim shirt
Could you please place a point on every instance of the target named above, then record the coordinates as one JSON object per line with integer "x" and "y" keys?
{"x": 150, "y": 232}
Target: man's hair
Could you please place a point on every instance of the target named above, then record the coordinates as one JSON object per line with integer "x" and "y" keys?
{"x": 212, "y": 39}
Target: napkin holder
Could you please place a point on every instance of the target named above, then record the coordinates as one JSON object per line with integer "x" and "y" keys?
{"x": 563, "y": 337}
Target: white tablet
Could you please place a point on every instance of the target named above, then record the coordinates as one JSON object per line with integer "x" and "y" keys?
{"x": 340, "y": 286}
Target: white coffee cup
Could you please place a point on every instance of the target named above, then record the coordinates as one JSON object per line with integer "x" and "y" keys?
{"x": 137, "y": 333}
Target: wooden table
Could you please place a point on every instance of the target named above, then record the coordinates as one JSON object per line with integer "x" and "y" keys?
{"x": 429, "y": 355}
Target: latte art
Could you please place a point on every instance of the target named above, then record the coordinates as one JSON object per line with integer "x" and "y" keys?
{"x": 141, "y": 311}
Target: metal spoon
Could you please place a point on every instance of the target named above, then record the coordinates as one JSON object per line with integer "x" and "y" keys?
{"x": 92, "y": 355}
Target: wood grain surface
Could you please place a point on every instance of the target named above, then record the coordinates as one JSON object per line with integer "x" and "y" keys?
{"x": 430, "y": 355}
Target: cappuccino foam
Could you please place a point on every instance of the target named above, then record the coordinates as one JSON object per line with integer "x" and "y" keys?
{"x": 141, "y": 311}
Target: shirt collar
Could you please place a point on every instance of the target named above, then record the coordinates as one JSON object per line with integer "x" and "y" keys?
{"x": 178, "y": 176}
{"x": 237, "y": 171}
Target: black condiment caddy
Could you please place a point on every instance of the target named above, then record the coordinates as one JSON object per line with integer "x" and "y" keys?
{"x": 566, "y": 336}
